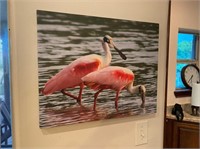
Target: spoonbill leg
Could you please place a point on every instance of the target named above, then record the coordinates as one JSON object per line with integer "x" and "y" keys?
{"x": 75, "y": 97}
{"x": 116, "y": 100}
{"x": 95, "y": 98}
{"x": 80, "y": 93}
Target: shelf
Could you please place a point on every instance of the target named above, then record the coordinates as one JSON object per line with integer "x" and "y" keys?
{"x": 183, "y": 93}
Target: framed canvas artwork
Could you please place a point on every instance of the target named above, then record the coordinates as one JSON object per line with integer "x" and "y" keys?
{"x": 94, "y": 68}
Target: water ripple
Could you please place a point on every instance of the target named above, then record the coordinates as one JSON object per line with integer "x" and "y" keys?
{"x": 63, "y": 38}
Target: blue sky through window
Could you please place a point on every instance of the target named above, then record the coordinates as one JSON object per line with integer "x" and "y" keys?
{"x": 1, "y": 58}
{"x": 1, "y": 69}
{"x": 185, "y": 51}
{"x": 179, "y": 83}
{"x": 185, "y": 46}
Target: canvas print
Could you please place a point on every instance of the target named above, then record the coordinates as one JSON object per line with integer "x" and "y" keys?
{"x": 95, "y": 68}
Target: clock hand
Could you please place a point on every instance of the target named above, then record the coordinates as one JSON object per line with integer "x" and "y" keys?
{"x": 190, "y": 78}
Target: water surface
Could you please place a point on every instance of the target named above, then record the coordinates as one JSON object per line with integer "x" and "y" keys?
{"x": 63, "y": 38}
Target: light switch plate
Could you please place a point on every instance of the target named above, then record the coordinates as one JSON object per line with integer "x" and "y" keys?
{"x": 141, "y": 132}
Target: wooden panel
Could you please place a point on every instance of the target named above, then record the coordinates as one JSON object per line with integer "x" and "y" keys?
{"x": 181, "y": 134}
{"x": 188, "y": 138}
{"x": 168, "y": 133}
{"x": 186, "y": 135}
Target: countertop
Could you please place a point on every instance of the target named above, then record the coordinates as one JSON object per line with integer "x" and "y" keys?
{"x": 187, "y": 111}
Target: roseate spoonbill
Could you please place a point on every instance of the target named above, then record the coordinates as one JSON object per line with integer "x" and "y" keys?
{"x": 115, "y": 78}
{"x": 71, "y": 75}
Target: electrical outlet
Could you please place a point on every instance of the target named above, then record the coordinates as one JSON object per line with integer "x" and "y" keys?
{"x": 141, "y": 132}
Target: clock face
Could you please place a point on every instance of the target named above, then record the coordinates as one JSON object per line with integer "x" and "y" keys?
{"x": 190, "y": 75}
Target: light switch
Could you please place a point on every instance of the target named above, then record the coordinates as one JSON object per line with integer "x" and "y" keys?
{"x": 141, "y": 132}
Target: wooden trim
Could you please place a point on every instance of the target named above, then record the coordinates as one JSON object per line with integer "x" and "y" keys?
{"x": 191, "y": 61}
{"x": 166, "y": 79}
{"x": 168, "y": 135}
{"x": 183, "y": 93}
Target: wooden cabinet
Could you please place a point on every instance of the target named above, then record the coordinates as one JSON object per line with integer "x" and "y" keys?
{"x": 181, "y": 134}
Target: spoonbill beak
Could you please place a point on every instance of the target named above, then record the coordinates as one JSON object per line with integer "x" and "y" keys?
{"x": 110, "y": 42}
{"x": 120, "y": 53}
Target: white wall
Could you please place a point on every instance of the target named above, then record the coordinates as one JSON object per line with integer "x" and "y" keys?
{"x": 108, "y": 134}
{"x": 184, "y": 14}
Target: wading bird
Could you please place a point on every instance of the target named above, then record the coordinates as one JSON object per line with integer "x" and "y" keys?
{"x": 71, "y": 75}
{"x": 115, "y": 78}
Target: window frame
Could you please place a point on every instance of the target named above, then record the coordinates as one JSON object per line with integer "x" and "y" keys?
{"x": 185, "y": 92}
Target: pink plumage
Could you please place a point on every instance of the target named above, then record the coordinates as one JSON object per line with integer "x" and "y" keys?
{"x": 112, "y": 77}
{"x": 71, "y": 75}
{"x": 115, "y": 78}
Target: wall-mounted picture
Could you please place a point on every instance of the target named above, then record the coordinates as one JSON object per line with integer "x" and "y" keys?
{"x": 95, "y": 68}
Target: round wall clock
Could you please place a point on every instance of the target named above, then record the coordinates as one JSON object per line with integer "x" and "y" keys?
{"x": 189, "y": 75}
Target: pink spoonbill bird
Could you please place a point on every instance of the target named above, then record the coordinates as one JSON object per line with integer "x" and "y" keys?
{"x": 70, "y": 76}
{"x": 115, "y": 78}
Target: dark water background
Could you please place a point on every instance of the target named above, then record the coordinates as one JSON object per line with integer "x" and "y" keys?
{"x": 63, "y": 38}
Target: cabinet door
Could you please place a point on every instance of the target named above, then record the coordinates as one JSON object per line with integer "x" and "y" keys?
{"x": 186, "y": 135}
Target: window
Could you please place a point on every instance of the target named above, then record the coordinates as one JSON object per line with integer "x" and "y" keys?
{"x": 5, "y": 116}
{"x": 187, "y": 53}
